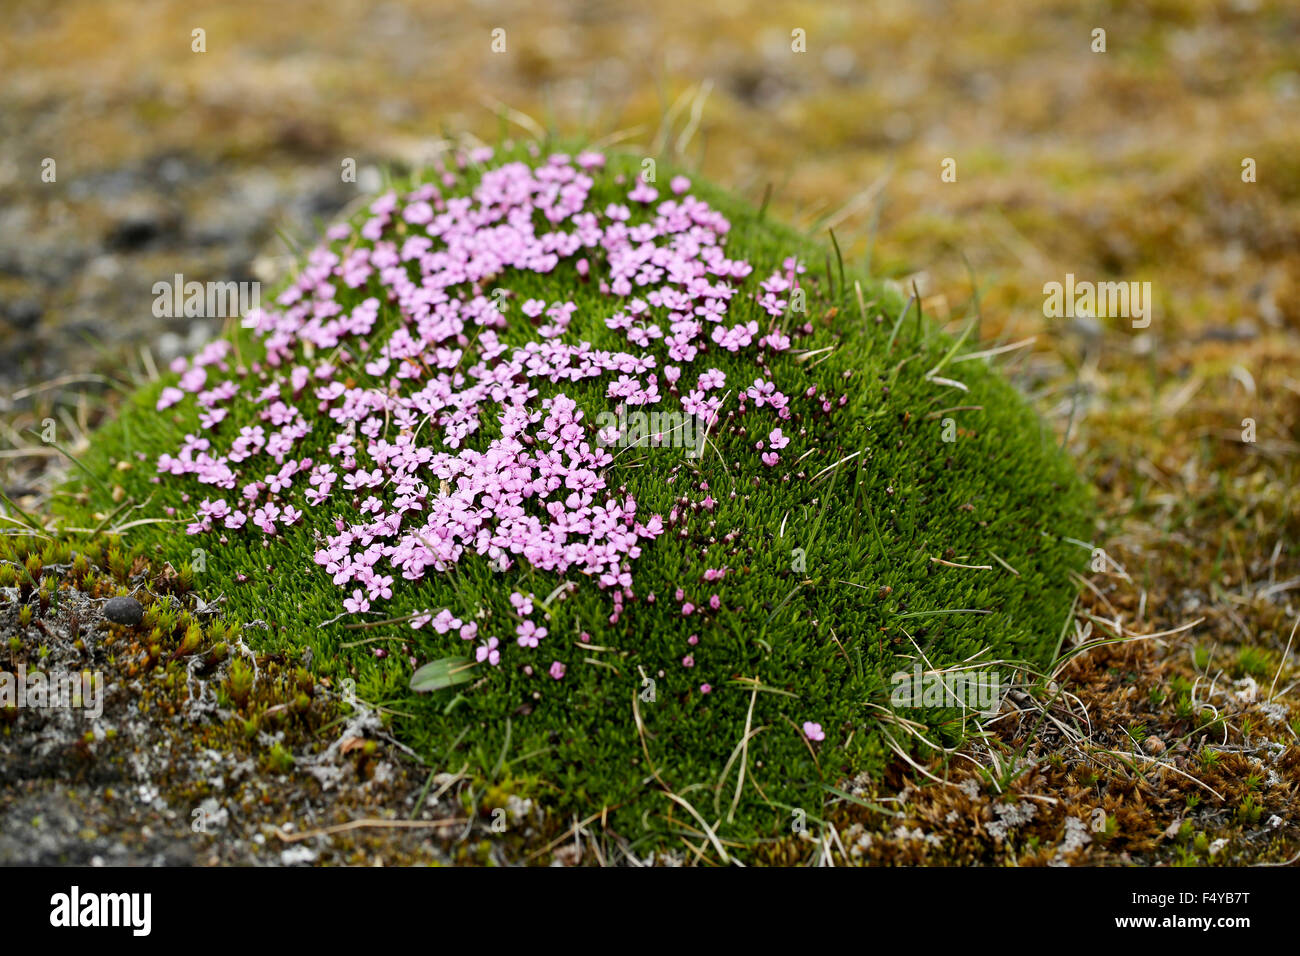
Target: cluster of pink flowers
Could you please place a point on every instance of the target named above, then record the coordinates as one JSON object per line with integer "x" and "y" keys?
{"x": 411, "y": 493}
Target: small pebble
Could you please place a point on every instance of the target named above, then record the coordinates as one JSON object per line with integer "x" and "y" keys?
{"x": 124, "y": 610}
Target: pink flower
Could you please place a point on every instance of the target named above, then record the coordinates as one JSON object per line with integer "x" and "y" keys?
{"x": 712, "y": 379}
{"x": 523, "y": 605}
{"x": 488, "y": 652}
{"x": 813, "y": 731}
{"x": 445, "y": 621}
{"x": 381, "y": 586}
{"x": 557, "y": 670}
{"x": 529, "y": 634}
{"x": 643, "y": 193}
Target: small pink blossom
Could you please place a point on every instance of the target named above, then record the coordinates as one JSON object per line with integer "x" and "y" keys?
{"x": 488, "y": 652}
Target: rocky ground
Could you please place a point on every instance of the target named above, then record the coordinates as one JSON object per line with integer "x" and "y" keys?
{"x": 204, "y": 752}
{"x": 98, "y": 248}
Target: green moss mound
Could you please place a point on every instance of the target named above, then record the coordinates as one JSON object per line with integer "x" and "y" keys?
{"x": 845, "y": 566}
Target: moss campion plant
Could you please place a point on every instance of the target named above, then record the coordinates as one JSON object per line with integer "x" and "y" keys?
{"x": 646, "y": 496}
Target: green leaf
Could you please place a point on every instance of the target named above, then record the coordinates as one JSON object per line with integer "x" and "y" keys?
{"x": 440, "y": 674}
